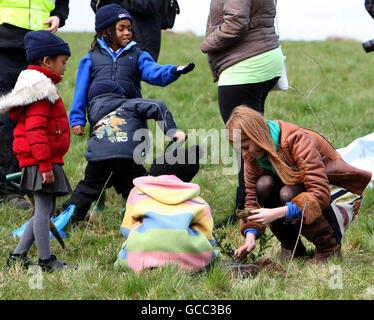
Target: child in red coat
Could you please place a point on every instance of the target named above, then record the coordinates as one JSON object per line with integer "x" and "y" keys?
{"x": 41, "y": 139}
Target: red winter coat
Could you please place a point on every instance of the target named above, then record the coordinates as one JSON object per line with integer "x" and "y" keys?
{"x": 42, "y": 132}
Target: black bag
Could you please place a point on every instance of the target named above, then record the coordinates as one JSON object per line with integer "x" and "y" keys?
{"x": 369, "y": 5}
{"x": 169, "y": 12}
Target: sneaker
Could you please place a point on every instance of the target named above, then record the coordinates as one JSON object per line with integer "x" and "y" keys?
{"x": 53, "y": 263}
{"x": 19, "y": 258}
{"x": 19, "y": 202}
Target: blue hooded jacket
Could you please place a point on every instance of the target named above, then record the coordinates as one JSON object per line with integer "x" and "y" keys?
{"x": 117, "y": 122}
{"x": 149, "y": 71}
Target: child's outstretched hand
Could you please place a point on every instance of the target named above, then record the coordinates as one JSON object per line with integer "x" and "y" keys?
{"x": 78, "y": 130}
{"x": 179, "y": 136}
{"x": 184, "y": 69}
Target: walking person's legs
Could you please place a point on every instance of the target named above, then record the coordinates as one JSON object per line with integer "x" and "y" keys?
{"x": 96, "y": 177}
{"x": 12, "y": 63}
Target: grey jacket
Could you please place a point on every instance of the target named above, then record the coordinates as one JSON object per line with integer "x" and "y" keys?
{"x": 237, "y": 30}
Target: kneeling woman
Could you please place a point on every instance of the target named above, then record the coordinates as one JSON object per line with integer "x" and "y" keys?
{"x": 292, "y": 173}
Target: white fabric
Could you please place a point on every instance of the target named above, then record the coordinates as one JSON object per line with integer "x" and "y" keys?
{"x": 31, "y": 86}
{"x": 360, "y": 154}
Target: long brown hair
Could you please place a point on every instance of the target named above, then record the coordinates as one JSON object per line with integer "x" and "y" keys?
{"x": 253, "y": 126}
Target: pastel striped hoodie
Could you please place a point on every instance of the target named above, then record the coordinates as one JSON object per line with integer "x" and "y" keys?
{"x": 166, "y": 221}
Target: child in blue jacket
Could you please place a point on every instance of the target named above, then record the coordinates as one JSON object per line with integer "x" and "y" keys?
{"x": 115, "y": 56}
{"x": 118, "y": 145}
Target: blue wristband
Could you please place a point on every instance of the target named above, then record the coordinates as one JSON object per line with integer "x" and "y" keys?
{"x": 252, "y": 230}
{"x": 293, "y": 211}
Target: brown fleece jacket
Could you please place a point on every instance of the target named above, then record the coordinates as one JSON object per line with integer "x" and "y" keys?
{"x": 323, "y": 166}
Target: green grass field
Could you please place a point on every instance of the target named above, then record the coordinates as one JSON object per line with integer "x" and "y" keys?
{"x": 343, "y": 104}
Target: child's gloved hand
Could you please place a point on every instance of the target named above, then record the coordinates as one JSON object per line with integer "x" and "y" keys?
{"x": 183, "y": 69}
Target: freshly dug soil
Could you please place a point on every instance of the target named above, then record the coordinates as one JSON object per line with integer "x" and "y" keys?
{"x": 267, "y": 264}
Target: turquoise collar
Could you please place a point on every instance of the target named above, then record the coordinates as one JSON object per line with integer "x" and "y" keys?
{"x": 275, "y": 133}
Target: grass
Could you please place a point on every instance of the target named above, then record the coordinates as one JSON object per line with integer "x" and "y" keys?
{"x": 343, "y": 106}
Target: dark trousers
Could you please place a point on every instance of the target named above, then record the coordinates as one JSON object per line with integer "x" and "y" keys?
{"x": 96, "y": 175}
{"x": 12, "y": 62}
{"x": 252, "y": 95}
{"x": 120, "y": 174}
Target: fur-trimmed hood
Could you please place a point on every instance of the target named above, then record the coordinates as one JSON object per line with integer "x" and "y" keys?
{"x": 41, "y": 132}
{"x": 33, "y": 84}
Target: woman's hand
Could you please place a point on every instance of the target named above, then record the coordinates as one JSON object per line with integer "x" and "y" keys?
{"x": 48, "y": 177}
{"x": 265, "y": 216}
{"x": 249, "y": 245}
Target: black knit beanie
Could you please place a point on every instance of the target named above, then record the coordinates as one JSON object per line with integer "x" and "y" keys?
{"x": 42, "y": 43}
{"x": 109, "y": 14}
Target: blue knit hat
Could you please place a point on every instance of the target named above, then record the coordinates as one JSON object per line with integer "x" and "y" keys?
{"x": 42, "y": 43}
{"x": 104, "y": 86}
{"x": 109, "y": 14}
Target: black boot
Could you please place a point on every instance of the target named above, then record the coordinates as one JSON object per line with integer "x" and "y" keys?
{"x": 53, "y": 263}
{"x": 19, "y": 258}
{"x": 287, "y": 234}
{"x": 18, "y": 201}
